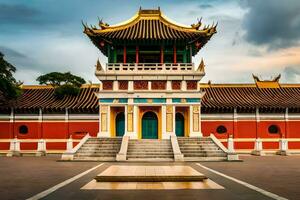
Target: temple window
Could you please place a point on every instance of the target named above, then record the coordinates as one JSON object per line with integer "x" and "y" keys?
{"x": 140, "y": 85}
{"x": 158, "y": 85}
{"x": 123, "y": 85}
{"x": 176, "y": 85}
{"x": 221, "y": 129}
{"x": 107, "y": 85}
{"x": 23, "y": 129}
{"x": 191, "y": 85}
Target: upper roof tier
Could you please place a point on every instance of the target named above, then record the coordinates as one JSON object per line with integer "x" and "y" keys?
{"x": 150, "y": 25}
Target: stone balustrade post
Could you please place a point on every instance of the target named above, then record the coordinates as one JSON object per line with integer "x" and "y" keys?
{"x": 41, "y": 150}
{"x": 283, "y": 147}
{"x": 14, "y": 149}
{"x": 258, "y": 148}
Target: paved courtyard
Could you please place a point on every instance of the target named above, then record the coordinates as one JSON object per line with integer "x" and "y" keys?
{"x": 25, "y": 177}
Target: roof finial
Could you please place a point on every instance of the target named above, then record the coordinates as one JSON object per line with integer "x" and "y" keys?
{"x": 198, "y": 24}
{"x": 201, "y": 66}
{"x": 98, "y": 66}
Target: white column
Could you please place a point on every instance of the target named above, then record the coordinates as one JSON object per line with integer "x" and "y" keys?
{"x": 191, "y": 122}
{"x": 149, "y": 85}
{"x": 115, "y": 85}
{"x": 169, "y": 85}
{"x": 107, "y": 132}
{"x": 163, "y": 119}
{"x": 183, "y": 85}
{"x": 135, "y": 122}
{"x": 125, "y": 113}
{"x": 99, "y": 114}
{"x": 130, "y": 85}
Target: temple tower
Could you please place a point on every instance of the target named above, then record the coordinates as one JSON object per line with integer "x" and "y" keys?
{"x": 149, "y": 87}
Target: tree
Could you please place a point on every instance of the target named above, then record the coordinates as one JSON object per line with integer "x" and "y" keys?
{"x": 9, "y": 87}
{"x": 64, "y": 83}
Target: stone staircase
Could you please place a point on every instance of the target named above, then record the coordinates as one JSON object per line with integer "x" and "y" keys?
{"x": 150, "y": 150}
{"x": 99, "y": 149}
{"x": 200, "y": 149}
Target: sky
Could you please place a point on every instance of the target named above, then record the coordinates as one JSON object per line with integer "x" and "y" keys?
{"x": 260, "y": 37}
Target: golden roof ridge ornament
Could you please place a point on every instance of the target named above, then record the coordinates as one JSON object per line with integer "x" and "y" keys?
{"x": 271, "y": 83}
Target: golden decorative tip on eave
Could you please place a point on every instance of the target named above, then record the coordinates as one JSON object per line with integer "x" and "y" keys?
{"x": 197, "y": 25}
{"x": 98, "y": 66}
{"x": 201, "y": 67}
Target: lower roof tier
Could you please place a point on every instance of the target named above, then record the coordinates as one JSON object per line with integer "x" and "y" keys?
{"x": 218, "y": 98}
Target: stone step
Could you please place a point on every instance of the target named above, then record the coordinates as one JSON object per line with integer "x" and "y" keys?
{"x": 99, "y": 151}
{"x": 202, "y": 151}
{"x": 92, "y": 158}
{"x": 199, "y": 148}
{"x": 198, "y": 154}
{"x": 150, "y": 156}
{"x": 150, "y": 149}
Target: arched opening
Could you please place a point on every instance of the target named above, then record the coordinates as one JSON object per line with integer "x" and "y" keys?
{"x": 120, "y": 124}
{"x": 179, "y": 125}
{"x": 149, "y": 126}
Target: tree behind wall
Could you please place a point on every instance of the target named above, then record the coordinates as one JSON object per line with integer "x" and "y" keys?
{"x": 9, "y": 87}
{"x": 64, "y": 83}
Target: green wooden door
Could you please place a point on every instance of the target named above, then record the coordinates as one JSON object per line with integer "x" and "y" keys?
{"x": 149, "y": 126}
{"x": 120, "y": 124}
{"x": 179, "y": 125}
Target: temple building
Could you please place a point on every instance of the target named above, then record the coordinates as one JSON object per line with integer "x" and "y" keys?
{"x": 150, "y": 96}
{"x": 149, "y": 87}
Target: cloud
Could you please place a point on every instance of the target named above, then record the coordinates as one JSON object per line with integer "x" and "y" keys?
{"x": 291, "y": 74}
{"x": 11, "y": 52}
{"x": 274, "y": 23}
{"x": 205, "y": 6}
{"x": 17, "y": 14}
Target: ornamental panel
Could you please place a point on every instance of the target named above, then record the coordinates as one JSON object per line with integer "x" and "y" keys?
{"x": 158, "y": 85}
{"x": 123, "y": 85}
{"x": 140, "y": 85}
{"x": 176, "y": 85}
{"x": 191, "y": 85}
{"x": 107, "y": 85}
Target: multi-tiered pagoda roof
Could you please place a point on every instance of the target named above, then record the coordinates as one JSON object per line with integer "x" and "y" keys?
{"x": 149, "y": 25}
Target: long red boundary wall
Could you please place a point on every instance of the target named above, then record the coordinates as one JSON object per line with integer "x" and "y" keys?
{"x": 244, "y": 132}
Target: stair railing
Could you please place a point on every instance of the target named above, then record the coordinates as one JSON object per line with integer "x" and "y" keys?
{"x": 69, "y": 153}
{"x": 122, "y": 155}
{"x": 218, "y": 143}
{"x": 178, "y": 156}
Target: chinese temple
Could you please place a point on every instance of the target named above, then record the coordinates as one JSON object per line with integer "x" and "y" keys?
{"x": 150, "y": 103}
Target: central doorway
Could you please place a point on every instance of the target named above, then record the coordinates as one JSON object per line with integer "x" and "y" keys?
{"x": 120, "y": 124}
{"x": 149, "y": 126}
{"x": 179, "y": 125}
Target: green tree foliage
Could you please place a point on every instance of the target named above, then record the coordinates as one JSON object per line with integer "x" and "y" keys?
{"x": 64, "y": 83}
{"x": 9, "y": 87}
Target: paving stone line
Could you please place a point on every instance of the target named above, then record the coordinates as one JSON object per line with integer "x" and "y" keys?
{"x": 62, "y": 184}
{"x": 257, "y": 189}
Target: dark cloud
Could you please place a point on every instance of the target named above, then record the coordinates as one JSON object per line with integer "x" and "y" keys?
{"x": 17, "y": 14}
{"x": 11, "y": 52}
{"x": 205, "y": 6}
{"x": 274, "y": 23}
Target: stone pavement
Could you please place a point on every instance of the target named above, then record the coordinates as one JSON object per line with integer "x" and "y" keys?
{"x": 24, "y": 177}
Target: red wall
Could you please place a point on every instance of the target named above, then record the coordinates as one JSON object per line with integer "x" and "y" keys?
{"x": 63, "y": 130}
